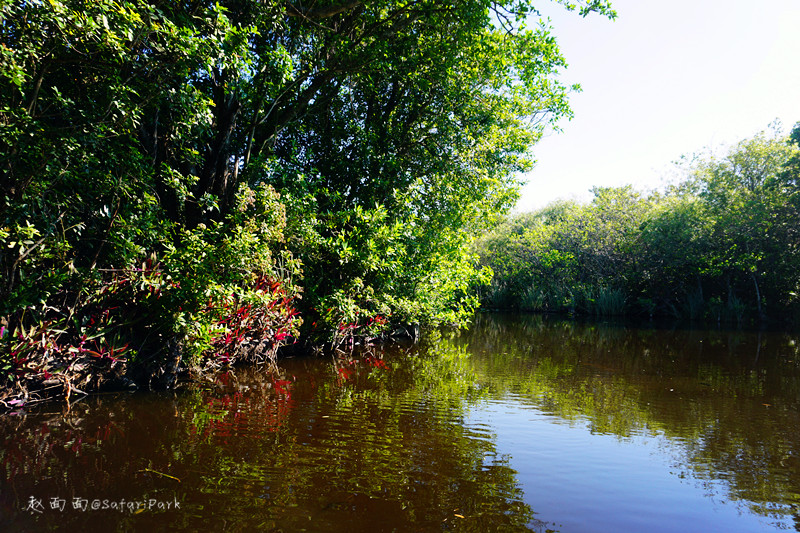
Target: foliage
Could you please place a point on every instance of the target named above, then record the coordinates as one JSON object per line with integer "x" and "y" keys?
{"x": 222, "y": 144}
{"x": 214, "y": 298}
{"x": 721, "y": 244}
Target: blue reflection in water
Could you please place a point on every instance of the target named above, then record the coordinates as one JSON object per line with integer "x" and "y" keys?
{"x": 579, "y": 481}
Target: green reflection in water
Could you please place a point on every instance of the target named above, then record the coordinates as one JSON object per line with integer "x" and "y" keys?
{"x": 727, "y": 401}
{"x": 380, "y": 440}
{"x": 372, "y": 442}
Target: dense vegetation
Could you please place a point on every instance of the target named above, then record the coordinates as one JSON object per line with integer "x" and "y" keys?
{"x": 723, "y": 244}
{"x": 176, "y": 175}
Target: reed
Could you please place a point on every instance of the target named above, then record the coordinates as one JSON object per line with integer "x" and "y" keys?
{"x": 609, "y": 302}
{"x": 694, "y": 305}
{"x": 533, "y": 299}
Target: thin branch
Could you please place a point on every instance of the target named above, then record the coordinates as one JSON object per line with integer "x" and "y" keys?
{"x": 322, "y": 12}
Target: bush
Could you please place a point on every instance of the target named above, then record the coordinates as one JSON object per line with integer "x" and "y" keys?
{"x": 218, "y": 295}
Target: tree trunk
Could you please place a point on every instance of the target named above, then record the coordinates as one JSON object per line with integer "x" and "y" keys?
{"x": 758, "y": 297}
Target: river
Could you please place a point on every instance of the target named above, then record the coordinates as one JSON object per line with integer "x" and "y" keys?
{"x": 521, "y": 423}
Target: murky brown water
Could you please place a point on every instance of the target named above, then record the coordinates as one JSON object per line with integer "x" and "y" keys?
{"x": 522, "y": 423}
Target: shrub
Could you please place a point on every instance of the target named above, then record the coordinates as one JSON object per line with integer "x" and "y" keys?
{"x": 218, "y": 295}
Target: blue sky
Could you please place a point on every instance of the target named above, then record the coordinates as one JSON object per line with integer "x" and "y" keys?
{"x": 662, "y": 80}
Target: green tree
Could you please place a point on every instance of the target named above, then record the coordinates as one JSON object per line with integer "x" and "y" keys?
{"x": 392, "y": 130}
{"x": 751, "y": 241}
{"x": 674, "y": 238}
{"x": 722, "y": 242}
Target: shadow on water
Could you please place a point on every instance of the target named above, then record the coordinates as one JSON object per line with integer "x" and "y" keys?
{"x": 393, "y": 439}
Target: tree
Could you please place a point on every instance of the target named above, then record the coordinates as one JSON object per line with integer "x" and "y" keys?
{"x": 391, "y": 129}
{"x": 754, "y": 232}
{"x": 723, "y": 242}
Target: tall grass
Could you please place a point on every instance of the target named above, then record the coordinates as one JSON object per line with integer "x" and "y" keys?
{"x": 609, "y": 302}
{"x": 735, "y": 310}
{"x": 533, "y": 299}
{"x": 497, "y": 296}
{"x": 694, "y": 306}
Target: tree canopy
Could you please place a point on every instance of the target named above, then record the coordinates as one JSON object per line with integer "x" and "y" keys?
{"x": 366, "y": 140}
{"x": 721, "y": 244}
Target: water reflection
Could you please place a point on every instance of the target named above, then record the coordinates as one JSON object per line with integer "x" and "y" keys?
{"x": 354, "y": 444}
{"x": 520, "y": 424}
{"x": 725, "y": 404}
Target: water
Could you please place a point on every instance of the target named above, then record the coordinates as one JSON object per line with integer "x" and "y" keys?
{"x": 522, "y": 423}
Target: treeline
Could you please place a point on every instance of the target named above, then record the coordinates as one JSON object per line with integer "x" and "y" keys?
{"x": 722, "y": 245}
{"x": 190, "y": 183}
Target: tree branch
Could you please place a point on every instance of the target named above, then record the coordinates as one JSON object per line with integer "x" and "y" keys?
{"x": 321, "y": 12}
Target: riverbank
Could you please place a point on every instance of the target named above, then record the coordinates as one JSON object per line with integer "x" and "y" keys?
{"x": 84, "y": 371}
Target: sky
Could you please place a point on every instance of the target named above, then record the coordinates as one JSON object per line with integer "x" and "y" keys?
{"x": 662, "y": 80}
